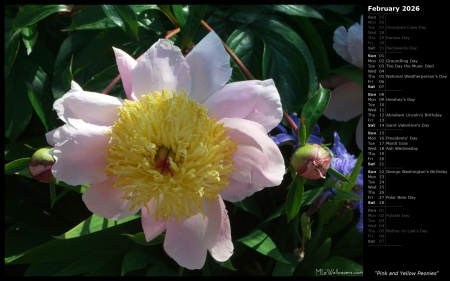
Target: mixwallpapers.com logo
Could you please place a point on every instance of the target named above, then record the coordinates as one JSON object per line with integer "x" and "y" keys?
{"x": 336, "y": 272}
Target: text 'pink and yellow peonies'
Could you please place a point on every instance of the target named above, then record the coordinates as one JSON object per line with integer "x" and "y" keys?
{"x": 182, "y": 142}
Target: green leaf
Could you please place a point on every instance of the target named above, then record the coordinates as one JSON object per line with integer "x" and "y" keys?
{"x": 96, "y": 55}
{"x": 94, "y": 224}
{"x": 334, "y": 223}
{"x": 277, "y": 213}
{"x": 167, "y": 10}
{"x": 140, "y": 239}
{"x": 352, "y": 72}
{"x": 77, "y": 188}
{"x": 181, "y": 13}
{"x": 16, "y": 165}
{"x": 24, "y": 148}
{"x": 354, "y": 174}
{"x": 52, "y": 194}
{"x": 314, "y": 108}
{"x": 226, "y": 264}
{"x": 136, "y": 259}
{"x": 283, "y": 269}
{"x": 46, "y": 269}
{"x": 338, "y": 175}
{"x": 124, "y": 17}
{"x": 65, "y": 249}
{"x": 12, "y": 43}
{"x": 62, "y": 73}
{"x": 91, "y": 17}
{"x": 189, "y": 22}
{"x": 18, "y": 109}
{"x": 298, "y": 10}
{"x": 316, "y": 45}
{"x": 31, "y": 14}
{"x": 345, "y": 195}
{"x": 295, "y": 197}
{"x": 320, "y": 255}
{"x": 261, "y": 242}
{"x": 29, "y": 36}
{"x": 101, "y": 80}
{"x": 350, "y": 246}
{"x": 161, "y": 269}
{"x": 310, "y": 195}
{"x": 287, "y": 60}
{"x": 39, "y": 91}
{"x": 251, "y": 206}
{"x": 305, "y": 222}
{"x": 339, "y": 9}
{"x": 249, "y": 49}
{"x": 337, "y": 266}
{"x": 88, "y": 263}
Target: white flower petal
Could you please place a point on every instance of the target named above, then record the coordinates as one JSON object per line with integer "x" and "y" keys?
{"x": 126, "y": 64}
{"x": 237, "y": 190}
{"x": 253, "y": 100}
{"x": 222, "y": 249}
{"x": 346, "y": 102}
{"x": 355, "y": 45}
{"x": 162, "y": 66}
{"x": 106, "y": 201}
{"x": 340, "y": 44}
{"x": 151, "y": 227}
{"x": 79, "y": 152}
{"x": 94, "y": 108}
{"x": 187, "y": 241}
{"x": 349, "y": 44}
{"x": 258, "y": 160}
{"x": 209, "y": 65}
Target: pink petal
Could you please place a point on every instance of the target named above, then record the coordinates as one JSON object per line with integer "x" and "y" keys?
{"x": 340, "y": 44}
{"x": 106, "y": 201}
{"x": 346, "y": 102}
{"x": 258, "y": 160}
{"x": 187, "y": 241}
{"x": 93, "y": 108}
{"x": 360, "y": 133}
{"x": 80, "y": 152}
{"x": 161, "y": 67}
{"x": 209, "y": 64}
{"x": 151, "y": 227}
{"x": 349, "y": 44}
{"x": 355, "y": 45}
{"x": 223, "y": 247}
{"x": 253, "y": 100}
{"x": 125, "y": 63}
{"x": 237, "y": 190}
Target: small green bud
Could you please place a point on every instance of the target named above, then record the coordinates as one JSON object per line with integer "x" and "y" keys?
{"x": 311, "y": 161}
{"x": 41, "y": 165}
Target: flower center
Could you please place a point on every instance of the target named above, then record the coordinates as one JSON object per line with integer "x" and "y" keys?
{"x": 166, "y": 148}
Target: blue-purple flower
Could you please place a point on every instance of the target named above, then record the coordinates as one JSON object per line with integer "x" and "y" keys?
{"x": 290, "y": 137}
{"x": 344, "y": 163}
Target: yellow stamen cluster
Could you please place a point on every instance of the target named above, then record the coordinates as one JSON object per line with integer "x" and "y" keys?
{"x": 166, "y": 148}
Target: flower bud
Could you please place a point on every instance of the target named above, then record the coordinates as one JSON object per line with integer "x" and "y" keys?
{"x": 41, "y": 165}
{"x": 311, "y": 161}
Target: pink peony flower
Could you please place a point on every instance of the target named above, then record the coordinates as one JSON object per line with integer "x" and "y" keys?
{"x": 346, "y": 100}
{"x": 349, "y": 43}
{"x": 181, "y": 143}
